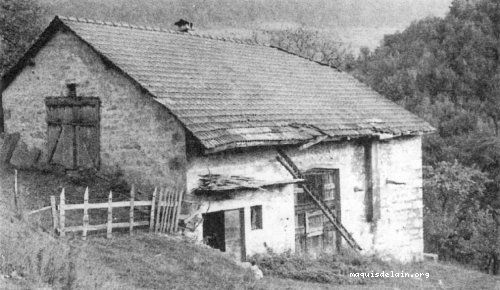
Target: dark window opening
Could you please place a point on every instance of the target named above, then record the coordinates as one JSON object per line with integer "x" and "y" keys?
{"x": 256, "y": 217}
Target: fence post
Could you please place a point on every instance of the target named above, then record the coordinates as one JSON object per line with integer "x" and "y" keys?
{"x": 173, "y": 207}
{"x": 54, "y": 212}
{"x": 179, "y": 209}
{"x": 85, "y": 213}
{"x": 109, "y": 227}
{"x": 132, "y": 197}
{"x": 152, "y": 212}
{"x": 167, "y": 210}
{"x": 62, "y": 204}
{"x": 16, "y": 192}
{"x": 158, "y": 210}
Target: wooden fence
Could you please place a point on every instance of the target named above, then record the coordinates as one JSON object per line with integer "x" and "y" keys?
{"x": 164, "y": 212}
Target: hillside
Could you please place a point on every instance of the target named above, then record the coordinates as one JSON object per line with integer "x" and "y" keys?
{"x": 147, "y": 261}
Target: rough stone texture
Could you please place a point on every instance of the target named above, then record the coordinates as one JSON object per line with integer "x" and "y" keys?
{"x": 8, "y": 143}
{"x": 24, "y": 157}
{"x": 138, "y": 136}
{"x": 398, "y": 230}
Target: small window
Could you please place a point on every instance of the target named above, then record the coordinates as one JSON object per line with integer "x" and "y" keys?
{"x": 256, "y": 217}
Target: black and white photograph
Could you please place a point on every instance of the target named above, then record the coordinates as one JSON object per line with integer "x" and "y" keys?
{"x": 249, "y": 144}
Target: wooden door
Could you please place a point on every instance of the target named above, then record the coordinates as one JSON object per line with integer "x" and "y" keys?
{"x": 73, "y": 137}
{"x": 234, "y": 233}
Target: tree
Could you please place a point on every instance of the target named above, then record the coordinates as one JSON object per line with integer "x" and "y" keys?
{"x": 311, "y": 44}
{"x": 457, "y": 225}
{"x": 20, "y": 22}
{"x": 447, "y": 71}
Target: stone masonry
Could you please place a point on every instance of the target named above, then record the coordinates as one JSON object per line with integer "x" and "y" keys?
{"x": 139, "y": 137}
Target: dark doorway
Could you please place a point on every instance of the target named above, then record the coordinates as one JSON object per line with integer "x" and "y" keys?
{"x": 225, "y": 230}
{"x": 213, "y": 230}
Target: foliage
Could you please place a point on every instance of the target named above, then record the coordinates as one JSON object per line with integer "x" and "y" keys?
{"x": 327, "y": 268}
{"x": 447, "y": 71}
{"x": 20, "y": 22}
{"x": 313, "y": 45}
{"x": 457, "y": 225}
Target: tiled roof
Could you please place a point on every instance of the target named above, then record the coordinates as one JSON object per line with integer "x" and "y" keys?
{"x": 234, "y": 94}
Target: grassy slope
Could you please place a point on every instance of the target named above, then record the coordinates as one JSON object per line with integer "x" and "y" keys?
{"x": 148, "y": 261}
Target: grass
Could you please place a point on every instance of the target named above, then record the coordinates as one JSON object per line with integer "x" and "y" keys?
{"x": 327, "y": 268}
{"x": 289, "y": 271}
{"x": 147, "y": 261}
{"x": 155, "y": 262}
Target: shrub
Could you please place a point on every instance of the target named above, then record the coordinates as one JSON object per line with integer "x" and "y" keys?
{"x": 327, "y": 268}
{"x": 457, "y": 225}
{"x": 34, "y": 255}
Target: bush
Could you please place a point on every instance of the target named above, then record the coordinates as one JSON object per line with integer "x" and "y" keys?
{"x": 328, "y": 268}
{"x": 32, "y": 254}
{"x": 457, "y": 225}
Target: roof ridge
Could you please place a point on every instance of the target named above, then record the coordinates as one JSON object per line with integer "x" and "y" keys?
{"x": 161, "y": 29}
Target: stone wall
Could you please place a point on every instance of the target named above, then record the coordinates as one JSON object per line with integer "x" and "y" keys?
{"x": 396, "y": 232}
{"x": 401, "y": 207}
{"x": 138, "y": 136}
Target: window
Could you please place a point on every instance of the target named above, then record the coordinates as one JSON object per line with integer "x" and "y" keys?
{"x": 256, "y": 217}
{"x": 323, "y": 183}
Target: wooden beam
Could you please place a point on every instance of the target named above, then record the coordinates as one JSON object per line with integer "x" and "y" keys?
{"x": 313, "y": 142}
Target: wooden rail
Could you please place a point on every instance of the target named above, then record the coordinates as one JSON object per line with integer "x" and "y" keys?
{"x": 163, "y": 215}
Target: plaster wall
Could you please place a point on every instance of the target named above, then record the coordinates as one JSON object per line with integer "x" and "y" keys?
{"x": 397, "y": 230}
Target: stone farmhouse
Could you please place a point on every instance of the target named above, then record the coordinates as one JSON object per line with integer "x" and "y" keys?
{"x": 209, "y": 115}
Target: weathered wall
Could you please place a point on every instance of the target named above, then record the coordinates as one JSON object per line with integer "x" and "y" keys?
{"x": 138, "y": 135}
{"x": 401, "y": 207}
{"x": 397, "y": 231}
{"x": 278, "y": 228}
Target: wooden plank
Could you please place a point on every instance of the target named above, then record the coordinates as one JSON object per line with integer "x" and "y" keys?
{"x": 62, "y": 210}
{"x": 152, "y": 212}
{"x": 173, "y": 207}
{"x": 104, "y": 205}
{"x": 16, "y": 191}
{"x": 85, "y": 213}
{"x": 313, "y": 142}
{"x": 295, "y": 172}
{"x": 88, "y": 138}
{"x": 71, "y": 102}
{"x": 39, "y": 210}
{"x": 165, "y": 209}
{"x": 160, "y": 199}
{"x": 166, "y": 227}
{"x": 53, "y": 135}
{"x": 63, "y": 153}
{"x": 54, "y": 212}
{"x": 109, "y": 228}
{"x": 132, "y": 197}
{"x": 178, "y": 209}
{"x": 105, "y": 226}
{"x": 233, "y": 234}
{"x": 171, "y": 210}
{"x": 83, "y": 157}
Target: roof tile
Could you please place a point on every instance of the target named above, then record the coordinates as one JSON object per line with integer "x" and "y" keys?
{"x": 229, "y": 93}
